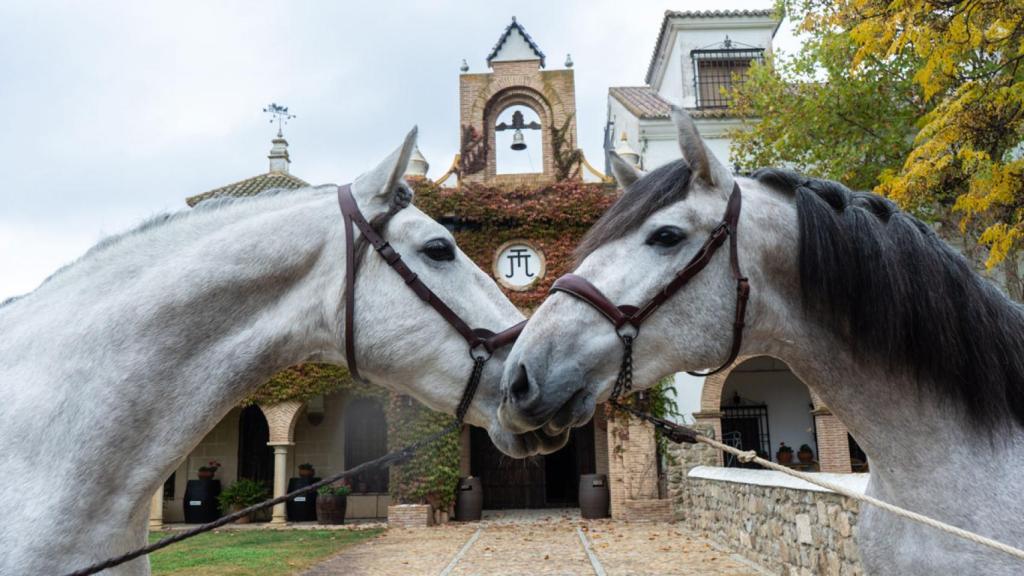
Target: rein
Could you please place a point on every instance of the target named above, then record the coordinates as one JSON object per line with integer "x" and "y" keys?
{"x": 482, "y": 344}
{"x": 627, "y": 319}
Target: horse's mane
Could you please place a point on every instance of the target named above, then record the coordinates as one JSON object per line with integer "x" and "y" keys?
{"x": 217, "y": 203}
{"x": 886, "y": 284}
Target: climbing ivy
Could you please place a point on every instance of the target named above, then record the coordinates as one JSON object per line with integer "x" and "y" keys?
{"x": 305, "y": 381}
{"x": 431, "y": 475}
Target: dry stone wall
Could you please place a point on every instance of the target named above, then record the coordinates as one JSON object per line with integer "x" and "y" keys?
{"x": 791, "y": 531}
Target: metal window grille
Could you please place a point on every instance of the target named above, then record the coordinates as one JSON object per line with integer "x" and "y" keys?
{"x": 716, "y": 72}
{"x": 748, "y": 425}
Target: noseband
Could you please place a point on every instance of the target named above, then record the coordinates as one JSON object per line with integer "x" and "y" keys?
{"x": 482, "y": 343}
{"x": 627, "y": 319}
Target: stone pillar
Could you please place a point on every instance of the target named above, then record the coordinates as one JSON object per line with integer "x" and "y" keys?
{"x": 156, "y": 509}
{"x": 632, "y": 463}
{"x": 708, "y": 420}
{"x": 280, "y": 516}
{"x": 833, "y": 442}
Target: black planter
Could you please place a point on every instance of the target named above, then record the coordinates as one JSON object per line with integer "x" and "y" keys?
{"x": 201, "y": 501}
{"x": 469, "y": 502}
{"x": 594, "y": 496}
{"x": 301, "y": 508}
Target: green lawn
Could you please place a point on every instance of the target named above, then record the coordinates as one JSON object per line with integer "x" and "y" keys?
{"x": 252, "y": 552}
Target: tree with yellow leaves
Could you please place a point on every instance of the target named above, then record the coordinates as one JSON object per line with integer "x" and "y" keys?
{"x": 964, "y": 167}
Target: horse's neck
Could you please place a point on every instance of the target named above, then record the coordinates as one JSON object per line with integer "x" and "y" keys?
{"x": 911, "y": 437}
{"x": 144, "y": 346}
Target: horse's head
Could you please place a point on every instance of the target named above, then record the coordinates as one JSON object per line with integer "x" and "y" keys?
{"x": 567, "y": 358}
{"x": 403, "y": 343}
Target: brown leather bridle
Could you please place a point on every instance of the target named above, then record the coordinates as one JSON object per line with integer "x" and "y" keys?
{"x": 627, "y": 319}
{"x": 482, "y": 342}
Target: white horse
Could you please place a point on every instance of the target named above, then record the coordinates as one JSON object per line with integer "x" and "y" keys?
{"x": 920, "y": 357}
{"x": 119, "y": 364}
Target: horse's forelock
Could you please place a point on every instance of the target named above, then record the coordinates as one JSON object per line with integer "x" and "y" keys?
{"x": 659, "y": 188}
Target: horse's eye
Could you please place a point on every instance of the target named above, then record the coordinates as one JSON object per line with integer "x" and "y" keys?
{"x": 439, "y": 250}
{"x": 666, "y": 236}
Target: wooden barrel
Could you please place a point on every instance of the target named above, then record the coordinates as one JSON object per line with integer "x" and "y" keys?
{"x": 469, "y": 501}
{"x": 331, "y": 509}
{"x": 594, "y": 496}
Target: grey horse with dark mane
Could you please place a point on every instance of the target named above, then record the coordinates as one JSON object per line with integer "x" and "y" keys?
{"x": 917, "y": 354}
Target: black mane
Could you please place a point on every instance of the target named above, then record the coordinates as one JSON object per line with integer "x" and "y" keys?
{"x": 897, "y": 294}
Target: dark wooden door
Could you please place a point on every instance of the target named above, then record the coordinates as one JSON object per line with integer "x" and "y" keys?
{"x": 536, "y": 482}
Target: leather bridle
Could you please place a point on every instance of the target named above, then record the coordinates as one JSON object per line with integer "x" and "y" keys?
{"x": 627, "y": 319}
{"x": 482, "y": 342}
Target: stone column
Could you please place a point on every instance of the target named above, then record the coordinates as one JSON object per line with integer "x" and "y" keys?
{"x": 711, "y": 420}
{"x": 632, "y": 463}
{"x": 833, "y": 442}
{"x": 156, "y": 509}
{"x": 280, "y": 516}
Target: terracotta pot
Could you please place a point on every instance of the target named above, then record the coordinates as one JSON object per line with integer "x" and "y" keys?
{"x": 784, "y": 457}
{"x": 331, "y": 509}
{"x": 306, "y": 472}
{"x": 805, "y": 456}
{"x": 205, "y": 474}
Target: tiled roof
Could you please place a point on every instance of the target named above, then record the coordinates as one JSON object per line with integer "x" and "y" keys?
{"x": 669, "y": 14}
{"x": 504, "y": 37}
{"x": 251, "y": 186}
{"x": 641, "y": 101}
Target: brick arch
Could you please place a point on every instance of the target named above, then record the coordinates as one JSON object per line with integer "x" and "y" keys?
{"x": 281, "y": 418}
{"x": 714, "y": 385}
{"x": 518, "y": 95}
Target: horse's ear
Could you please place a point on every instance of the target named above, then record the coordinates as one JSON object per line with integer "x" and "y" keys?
{"x": 625, "y": 172}
{"x": 380, "y": 185}
{"x": 701, "y": 160}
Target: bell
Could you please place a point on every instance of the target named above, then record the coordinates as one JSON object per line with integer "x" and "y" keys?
{"x": 518, "y": 143}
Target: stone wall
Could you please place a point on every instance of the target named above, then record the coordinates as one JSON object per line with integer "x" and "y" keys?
{"x": 783, "y": 524}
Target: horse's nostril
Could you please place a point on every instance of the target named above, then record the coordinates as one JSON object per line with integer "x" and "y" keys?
{"x": 520, "y": 390}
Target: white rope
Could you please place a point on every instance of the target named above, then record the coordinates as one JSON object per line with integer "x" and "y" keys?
{"x": 751, "y": 456}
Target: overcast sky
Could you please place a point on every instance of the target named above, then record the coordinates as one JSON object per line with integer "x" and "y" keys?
{"x": 115, "y": 111}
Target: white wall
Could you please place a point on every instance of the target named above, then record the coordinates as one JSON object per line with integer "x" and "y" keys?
{"x": 675, "y": 81}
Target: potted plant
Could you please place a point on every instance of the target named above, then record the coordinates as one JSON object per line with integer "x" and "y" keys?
{"x": 242, "y": 494}
{"x": 306, "y": 470}
{"x": 207, "y": 472}
{"x": 331, "y": 503}
{"x": 805, "y": 454}
{"x": 785, "y": 454}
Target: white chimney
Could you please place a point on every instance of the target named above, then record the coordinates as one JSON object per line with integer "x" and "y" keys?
{"x": 279, "y": 160}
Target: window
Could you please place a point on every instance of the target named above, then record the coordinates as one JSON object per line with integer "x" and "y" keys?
{"x": 366, "y": 438}
{"x": 716, "y": 72}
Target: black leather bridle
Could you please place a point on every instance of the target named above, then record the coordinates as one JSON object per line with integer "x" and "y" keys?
{"x": 481, "y": 342}
{"x": 627, "y": 319}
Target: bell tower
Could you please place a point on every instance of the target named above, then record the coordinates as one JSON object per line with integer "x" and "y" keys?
{"x": 518, "y": 79}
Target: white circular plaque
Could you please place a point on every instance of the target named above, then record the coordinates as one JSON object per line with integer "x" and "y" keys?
{"x": 518, "y": 265}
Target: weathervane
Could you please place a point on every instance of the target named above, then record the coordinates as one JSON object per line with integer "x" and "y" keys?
{"x": 279, "y": 114}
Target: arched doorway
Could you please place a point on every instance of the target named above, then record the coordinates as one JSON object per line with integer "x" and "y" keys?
{"x": 255, "y": 458}
{"x": 764, "y": 405}
{"x": 366, "y": 438}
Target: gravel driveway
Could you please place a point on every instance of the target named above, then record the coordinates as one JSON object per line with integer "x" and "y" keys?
{"x": 538, "y": 542}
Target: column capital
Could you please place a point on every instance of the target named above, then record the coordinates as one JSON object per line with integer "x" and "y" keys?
{"x": 276, "y": 444}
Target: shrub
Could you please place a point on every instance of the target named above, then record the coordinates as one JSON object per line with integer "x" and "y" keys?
{"x": 243, "y": 493}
